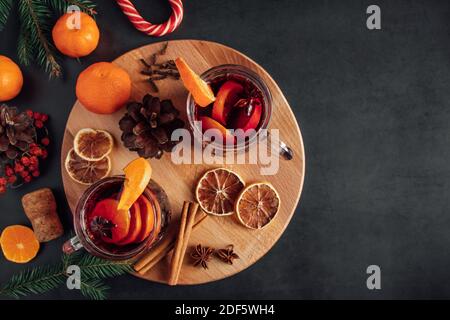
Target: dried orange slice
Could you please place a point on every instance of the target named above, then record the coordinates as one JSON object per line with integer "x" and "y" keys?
{"x": 257, "y": 205}
{"x": 19, "y": 244}
{"x": 137, "y": 176}
{"x": 93, "y": 145}
{"x": 86, "y": 172}
{"x": 200, "y": 90}
{"x": 217, "y": 191}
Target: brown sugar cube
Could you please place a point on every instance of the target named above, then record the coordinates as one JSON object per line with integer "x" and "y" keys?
{"x": 40, "y": 208}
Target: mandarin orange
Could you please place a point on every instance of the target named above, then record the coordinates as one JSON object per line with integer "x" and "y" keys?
{"x": 11, "y": 79}
{"x": 103, "y": 88}
{"x": 76, "y": 41}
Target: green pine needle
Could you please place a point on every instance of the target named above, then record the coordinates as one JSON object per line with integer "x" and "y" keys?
{"x": 43, "y": 279}
{"x": 93, "y": 267}
{"x": 94, "y": 289}
{"x": 5, "y": 9}
{"x": 36, "y": 18}
{"x": 34, "y": 281}
{"x": 25, "y": 50}
{"x": 60, "y": 6}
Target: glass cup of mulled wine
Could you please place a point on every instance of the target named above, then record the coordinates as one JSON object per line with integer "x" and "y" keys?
{"x": 243, "y": 104}
{"x": 109, "y": 234}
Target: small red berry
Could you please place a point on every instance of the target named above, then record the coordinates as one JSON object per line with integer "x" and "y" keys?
{"x": 2, "y": 189}
{"x": 39, "y": 124}
{"x": 25, "y": 161}
{"x": 9, "y": 171}
{"x": 44, "y": 117}
{"x": 24, "y": 174}
{"x": 18, "y": 167}
{"x": 3, "y": 181}
{"x": 44, "y": 154}
{"x": 37, "y": 116}
{"x": 45, "y": 141}
{"x": 36, "y": 151}
{"x": 36, "y": 173}
{"x": 27, "y": 179}
{"x": 29, "y": 113}
{"x": 12, "y": 179}
{"x": 34, "y": 161}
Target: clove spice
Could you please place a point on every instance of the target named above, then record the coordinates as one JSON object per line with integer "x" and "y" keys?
{"x": 159, "y": 71}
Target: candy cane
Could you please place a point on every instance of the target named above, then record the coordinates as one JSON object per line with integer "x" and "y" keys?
{"x": 156, "y": 30}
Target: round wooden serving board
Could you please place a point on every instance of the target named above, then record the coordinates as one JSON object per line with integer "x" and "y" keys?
{"x": 179, "y": 180}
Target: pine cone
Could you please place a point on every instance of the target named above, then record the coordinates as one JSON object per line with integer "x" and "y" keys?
{"x": 148, "y": 126}
{"x": 16, "y": 132}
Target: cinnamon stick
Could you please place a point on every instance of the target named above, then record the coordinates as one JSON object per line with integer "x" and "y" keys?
{"x": 148, "y": 261}
{"x": 193, "y": 208}
{"x": 179, "y": 242}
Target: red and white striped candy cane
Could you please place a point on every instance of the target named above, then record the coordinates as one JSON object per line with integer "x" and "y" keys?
{"x": 156, "y": 30}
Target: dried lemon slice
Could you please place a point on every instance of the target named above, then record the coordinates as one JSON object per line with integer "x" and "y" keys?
{"x": 217, "y": 191}
{"x": 257, "y": 205}
{"x": 86, "y": 172}
{"x": 93, "y": 145}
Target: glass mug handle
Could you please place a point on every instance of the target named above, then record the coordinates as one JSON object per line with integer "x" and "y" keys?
{"x": 72, "y": 245}
{"x": 282, "y": 148}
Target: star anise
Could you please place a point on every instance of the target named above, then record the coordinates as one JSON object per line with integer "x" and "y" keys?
{"x": 201, "y": 256}
{"x": 227, "y": 255}
{"x": 102, "y": 226}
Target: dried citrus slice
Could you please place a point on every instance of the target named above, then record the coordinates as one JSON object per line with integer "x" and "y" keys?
{"x": 19, "y": 244}
{"x": 200, "y": 90}
{"x": 137, "y": 176}
{"x": 93, "y": 145}
{"x": 257, "y": 205}
{"x": 217, "y": 191}
{"x": 86, "y": 172}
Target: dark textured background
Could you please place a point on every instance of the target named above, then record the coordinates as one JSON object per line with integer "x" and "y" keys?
{"x": 373, "y": 110}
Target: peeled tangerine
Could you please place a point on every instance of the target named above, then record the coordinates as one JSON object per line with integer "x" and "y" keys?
{"x": 19, "y": 244}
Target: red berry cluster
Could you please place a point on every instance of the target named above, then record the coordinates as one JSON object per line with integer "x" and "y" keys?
{"x": 26, "y": 167}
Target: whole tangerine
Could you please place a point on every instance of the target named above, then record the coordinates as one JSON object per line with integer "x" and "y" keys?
{"x": 76, "y": 41}
{"x": 103, "y": 88}
{"x": 11, "y": 79}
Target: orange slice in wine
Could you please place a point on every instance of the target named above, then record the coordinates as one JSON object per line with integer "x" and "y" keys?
{"x": 137, "y": 176}
{"x": 200, "y": 90}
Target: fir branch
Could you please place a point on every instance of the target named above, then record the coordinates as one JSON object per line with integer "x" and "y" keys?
{"x": 93, "y": 267}
{"x": 25, "y": 50}
{"x": 93, "y": 289}
{"x": 43, "y": 279}
{"x": 5, "y": 9}
{"x": 34, "y": 281}
{"x": 36, "y": 17}
{"x": 60, "y": 6}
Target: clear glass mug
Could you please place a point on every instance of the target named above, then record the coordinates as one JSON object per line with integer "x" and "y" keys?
{"x": 228, "y": 71}
{"x": 101, "y": 190}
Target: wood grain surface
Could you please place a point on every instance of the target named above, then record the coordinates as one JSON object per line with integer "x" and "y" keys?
{"x": 179, "y": 180}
